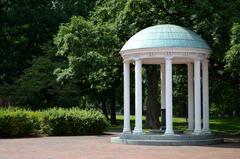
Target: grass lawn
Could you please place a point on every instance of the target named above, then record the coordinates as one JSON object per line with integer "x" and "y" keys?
{"x": 226, "y": 126}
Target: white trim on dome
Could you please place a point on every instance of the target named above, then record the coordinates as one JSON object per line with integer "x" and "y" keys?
{"x": 156, "y": 53}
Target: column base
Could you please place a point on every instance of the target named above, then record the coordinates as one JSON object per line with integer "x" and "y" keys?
{"x": 127, "y": 131}
{"x": 168, "y": 132}
{"x": 137, "y": 131}
{"x": 188, "y": 131}
{"x": 206, "y": 132}
{"x": 197, "y": 132}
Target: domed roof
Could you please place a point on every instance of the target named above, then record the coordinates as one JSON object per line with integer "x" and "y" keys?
{"x": 165, "y": 36}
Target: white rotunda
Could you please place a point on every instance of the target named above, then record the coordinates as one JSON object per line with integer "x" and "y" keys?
{"x": 166, "y": 45}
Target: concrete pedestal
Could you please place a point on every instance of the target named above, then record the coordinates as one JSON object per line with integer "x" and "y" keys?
{"x": 166, "y": 140}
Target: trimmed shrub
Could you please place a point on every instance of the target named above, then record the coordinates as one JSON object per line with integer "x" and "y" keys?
{"x": 15, "y": 122}
{"x": 19, "y": 123}
{"x": 74, "y": 121}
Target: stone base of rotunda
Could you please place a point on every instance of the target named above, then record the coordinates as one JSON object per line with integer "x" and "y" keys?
{"x": 166, "y": 140}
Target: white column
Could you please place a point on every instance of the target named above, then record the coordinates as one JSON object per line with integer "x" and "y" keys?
{"x": 205, "y": 96}
{"x": 163, "y": 85}
{"x": 190, "y": 97}
{"x": 126, "y": 71}
{"x": 169, "y": 123}
{"x": 138, "y": 97}
{"x": 197, "y": 96}
{"x": 163, "y": 97}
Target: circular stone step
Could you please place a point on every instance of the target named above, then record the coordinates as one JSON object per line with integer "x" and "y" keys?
{"x": 164, "y": 137}
{"x": 177, "y": 139}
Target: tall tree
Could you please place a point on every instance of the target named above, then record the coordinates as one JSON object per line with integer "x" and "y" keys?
{"x": 91, "y": 52}
{"x": 25, "y": 26}
{"x": 232, "y": 58}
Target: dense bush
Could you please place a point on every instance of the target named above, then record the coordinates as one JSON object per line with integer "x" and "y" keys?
{"x": 74, "y": 121}
{"x": 21, "y": 123}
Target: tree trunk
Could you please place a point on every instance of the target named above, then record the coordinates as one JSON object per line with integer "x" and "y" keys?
{"x": 104, "y": 110}
{"x": 113, "y": 107}
{"x": 153, "y": 110}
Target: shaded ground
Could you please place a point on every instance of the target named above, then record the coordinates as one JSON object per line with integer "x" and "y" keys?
{"x": 218, "y": 125}
{"x": 99, "y": 147}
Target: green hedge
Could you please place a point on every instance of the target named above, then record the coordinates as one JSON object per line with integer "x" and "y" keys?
{"x": 55, "y": 121}
{"x": 19, "y": 123}
{"x": 74, "y": 121}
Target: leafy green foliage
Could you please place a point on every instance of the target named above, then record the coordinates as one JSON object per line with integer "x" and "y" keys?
{"x": 180, "y": 90}
{"x": 226, "y": 101}
{"x": 38, "y": 88}
{"x": 88, "y": 69}
{"x": 28, "y": 24}
{"x": 106, "y": 11}
{"x": 88, "y": 49}
{"x": 233, "y": 55}
{"x": 17, "y": 122}
{"x": 74, "y": 121}
{"x": 93, "y": 58}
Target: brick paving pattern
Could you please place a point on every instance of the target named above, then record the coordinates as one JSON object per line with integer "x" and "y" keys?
{"x": 99, "y": 147}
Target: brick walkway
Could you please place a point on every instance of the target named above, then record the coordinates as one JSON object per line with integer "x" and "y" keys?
{"x": 99, "y": 147}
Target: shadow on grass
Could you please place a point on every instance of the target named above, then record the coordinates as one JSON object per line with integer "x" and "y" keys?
{"x": 119, "y": 127}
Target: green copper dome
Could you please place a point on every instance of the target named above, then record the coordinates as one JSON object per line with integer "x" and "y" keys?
{"x": 165, "y": 36}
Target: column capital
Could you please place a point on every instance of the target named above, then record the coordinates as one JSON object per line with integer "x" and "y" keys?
{"x": 189, "y": 63}
{"x": 199, "y": 58}
{"x": 168, "y": 57}
{"x": 137, "y": 59}
{"x": 126, "y": 61}
{"x": 205, "y": 60}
